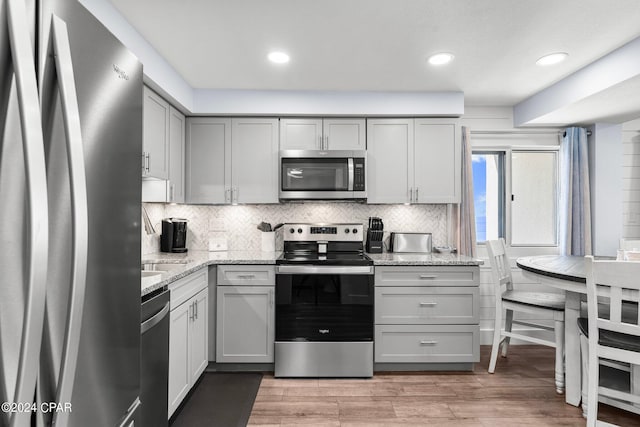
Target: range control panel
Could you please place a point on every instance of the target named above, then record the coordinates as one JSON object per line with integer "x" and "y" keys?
{"x": 347, "y": 232}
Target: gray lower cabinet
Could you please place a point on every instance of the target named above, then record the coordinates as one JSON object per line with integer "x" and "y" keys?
{"x": 427, "y": 343}
{"x": 427, "y": 314}
{"x": 245, "y": 316}
{"x": 188, "y": 335}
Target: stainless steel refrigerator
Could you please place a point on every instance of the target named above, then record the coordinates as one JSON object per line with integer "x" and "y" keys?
{"x": 70, "y": 183}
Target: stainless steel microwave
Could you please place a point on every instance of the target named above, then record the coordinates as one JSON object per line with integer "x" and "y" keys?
{"x": 323, "y": 175}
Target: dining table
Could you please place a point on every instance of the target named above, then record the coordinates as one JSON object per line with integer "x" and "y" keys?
{"x": 568, "y": 274}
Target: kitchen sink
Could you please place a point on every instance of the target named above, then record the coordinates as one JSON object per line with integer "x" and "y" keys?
{"x": 150, "y": 277}
{"x": 163, "y": 266}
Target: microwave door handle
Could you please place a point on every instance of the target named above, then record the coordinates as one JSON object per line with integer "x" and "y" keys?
{"x": 350, "y": 166}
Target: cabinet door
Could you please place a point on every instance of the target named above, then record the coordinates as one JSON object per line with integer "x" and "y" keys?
{"x": 254, "y": 165}
{"x": 155, "y": 143}
{"x": 245, "y": 324}
{"x": 176, "y": 156}
{"x": 389, "y": 148}
{"x": 179, "y": 373}
{"x": 344, "y": 134}
{"x": 437, "y": 160}
{"x": 301, "y": 134}
{"x": 199, "y": 338}
{"x": 208, "y": 160}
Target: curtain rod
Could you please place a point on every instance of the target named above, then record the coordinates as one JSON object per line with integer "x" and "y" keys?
{"x": 565, "y": 133}
{"x": 521, "y": 132}
{"x": 517, "y": 132}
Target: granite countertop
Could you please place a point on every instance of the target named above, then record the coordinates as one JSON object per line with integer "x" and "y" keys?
{"x": 192, "y": 261}
{"x": 389, "y": 258}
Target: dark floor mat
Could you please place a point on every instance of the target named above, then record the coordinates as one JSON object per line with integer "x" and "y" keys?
{"x": 220, "y": 400}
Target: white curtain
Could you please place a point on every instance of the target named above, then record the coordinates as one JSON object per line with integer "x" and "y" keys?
{"x": 575, "y": 201}
{"x": 466, "y": 225}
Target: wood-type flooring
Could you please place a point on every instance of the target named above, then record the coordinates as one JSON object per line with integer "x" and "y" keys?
{"x": 520, "y": 393}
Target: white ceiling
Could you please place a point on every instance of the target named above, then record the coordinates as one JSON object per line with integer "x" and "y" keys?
{"x": 381, "y": 45}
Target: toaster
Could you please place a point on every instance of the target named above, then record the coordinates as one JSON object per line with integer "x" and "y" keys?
{"x": 410, "y": 242}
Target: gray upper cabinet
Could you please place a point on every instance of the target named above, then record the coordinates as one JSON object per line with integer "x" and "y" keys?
{"x": 301, "y": 134}
{"x": 232, "y": 160}
{"x": 155, "y": 136}
{"x": 176, "y": 156}
{"x": 437, "y": 161}
{"x": 322, "y": 134}
{"x": 208, "y": 146}
{"x": 254, "y": 160}
{"x": 344, "y": 134}
{"x": 413, "y": 161}
{"x": 389, "y": 148}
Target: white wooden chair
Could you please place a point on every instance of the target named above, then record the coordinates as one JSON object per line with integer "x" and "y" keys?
{"x": 509, "y": 301}
{"x": 611, "y": 335}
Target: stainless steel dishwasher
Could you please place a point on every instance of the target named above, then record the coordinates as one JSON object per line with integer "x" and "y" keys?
{"x": 154, "y": 358}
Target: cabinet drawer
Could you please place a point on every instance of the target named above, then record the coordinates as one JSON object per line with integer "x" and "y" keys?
{"x": 426, "y": 343}
{"x": 427, "y": 305}
{"x": 185, "y": 288}
{"x": 428, "y": 276}
{"x": 249, "y": 275}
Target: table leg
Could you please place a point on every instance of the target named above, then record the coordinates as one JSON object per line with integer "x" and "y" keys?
{"x": 572, "y": 349}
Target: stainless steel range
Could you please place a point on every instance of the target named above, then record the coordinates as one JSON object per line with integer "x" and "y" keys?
{"x": 324, "y": 303}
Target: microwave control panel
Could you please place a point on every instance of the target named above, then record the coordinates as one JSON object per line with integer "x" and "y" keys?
{"x": 358, "y": 174}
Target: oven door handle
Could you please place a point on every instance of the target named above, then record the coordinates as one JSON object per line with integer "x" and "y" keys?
{"x": 324, "y": 269}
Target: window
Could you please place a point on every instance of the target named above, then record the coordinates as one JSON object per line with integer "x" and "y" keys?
{"x": 534, "y": 180}
{"x": 488, "y": 194}
{"x": 528, "y": 215}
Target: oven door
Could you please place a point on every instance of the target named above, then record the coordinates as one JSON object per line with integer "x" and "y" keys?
{"x": 309, "y": 175}
{"x": 324, "y": 303}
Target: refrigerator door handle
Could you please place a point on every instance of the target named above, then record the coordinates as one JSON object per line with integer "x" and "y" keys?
{"x": 77, "y": 178}
{"x": 37, "y": 200}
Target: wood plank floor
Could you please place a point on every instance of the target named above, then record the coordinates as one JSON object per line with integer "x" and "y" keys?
{"x": 520, "y": 393}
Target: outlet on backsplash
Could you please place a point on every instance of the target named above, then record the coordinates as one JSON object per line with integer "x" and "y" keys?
{"x": 217, "y": 235}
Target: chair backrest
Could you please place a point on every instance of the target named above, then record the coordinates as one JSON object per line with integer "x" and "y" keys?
{"x": 617, "y": 282}
{"x": 629, "y": 244}
{"x": 500, "y": 265}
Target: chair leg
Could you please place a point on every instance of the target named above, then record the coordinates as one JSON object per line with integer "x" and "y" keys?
{"x": 559, "y": 334}
{"x": 495, "y": 347}
{"x": 592, "y": 389}
{"x": 508, "y": 322}
{"x": 584, "y": 357}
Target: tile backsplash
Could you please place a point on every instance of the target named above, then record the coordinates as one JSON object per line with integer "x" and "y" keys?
{"x": 236, "y": 225}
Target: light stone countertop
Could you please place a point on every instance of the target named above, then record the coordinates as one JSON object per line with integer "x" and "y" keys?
{"x": 418, "y": 259}
{"x": 195, "y": 260}
{"x": 192, "y": 261}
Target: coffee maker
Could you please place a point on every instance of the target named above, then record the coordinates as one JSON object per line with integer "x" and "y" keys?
{"x": 174, "y": 235}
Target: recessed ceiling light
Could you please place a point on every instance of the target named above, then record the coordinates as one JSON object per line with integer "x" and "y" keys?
{"x": 552, "y": 58}
{"x": 440, "y": 58}
{"x": 278, "y": 57}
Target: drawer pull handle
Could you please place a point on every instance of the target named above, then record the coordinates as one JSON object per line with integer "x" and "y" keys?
{"x": 428, "y": 342}
{"x": 428, "y": 304}
{"x": 246, "y": 276}
{"x": 428, "y": 276}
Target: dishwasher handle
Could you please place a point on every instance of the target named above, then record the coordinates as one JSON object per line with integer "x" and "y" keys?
{"x": 157, "y": 318}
